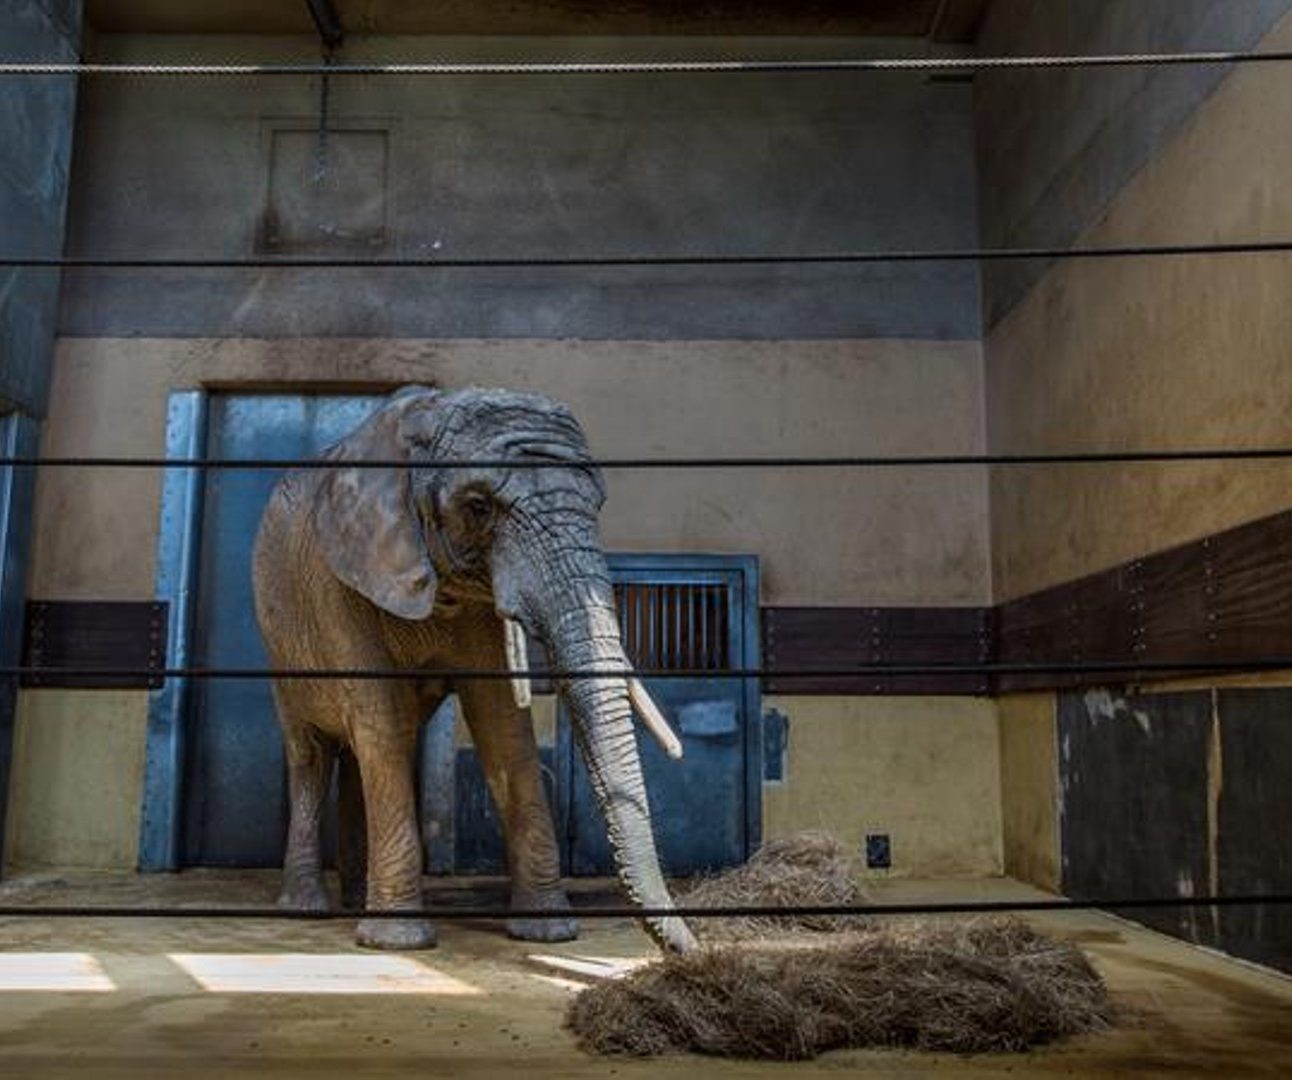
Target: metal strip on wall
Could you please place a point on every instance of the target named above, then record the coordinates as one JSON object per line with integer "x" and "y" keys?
{"x": 19, "y": 436}
{"x": 177, "y": 551}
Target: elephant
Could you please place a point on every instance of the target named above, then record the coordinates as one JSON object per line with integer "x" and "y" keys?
{"x": 421, "y": 566}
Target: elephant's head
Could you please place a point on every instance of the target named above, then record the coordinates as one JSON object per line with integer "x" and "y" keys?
{"x": 525, "y": 538}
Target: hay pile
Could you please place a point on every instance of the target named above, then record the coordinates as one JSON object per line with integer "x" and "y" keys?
{"x": 967, "y": 987}
{"x": 806, "y": 870}
{"x": 760, "y": 988}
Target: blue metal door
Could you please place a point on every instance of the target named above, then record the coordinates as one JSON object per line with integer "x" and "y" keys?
{"x": 235, "y": 810}
{"x": 683, "y": 613}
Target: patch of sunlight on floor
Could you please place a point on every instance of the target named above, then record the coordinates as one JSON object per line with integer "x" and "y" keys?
{"x": 61, "y": 971}
{"x": 315, "y": 973}
{"x": 596, "y": 967}
{"x": 561, "y": 984}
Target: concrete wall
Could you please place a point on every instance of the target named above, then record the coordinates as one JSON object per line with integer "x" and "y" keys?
{"x": 1151, "y": 353}
{"x": 825, "y": 537}
{"x": 1050, "y": 168}
{"x": 923, "y": 770}
{"x": 36, "y": 121}
{"x": 524, "y": 167}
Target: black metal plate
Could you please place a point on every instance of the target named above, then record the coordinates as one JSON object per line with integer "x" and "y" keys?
{"x": 64, "y": 636}
{"x": 801, "y": 639}
{"x": 1133, "y": 777}
{"x": 1253, "y": 845}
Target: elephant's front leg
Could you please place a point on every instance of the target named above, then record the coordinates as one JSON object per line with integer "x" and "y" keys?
{"x": 504, "y": 739}
{"x": 383, "y": 733}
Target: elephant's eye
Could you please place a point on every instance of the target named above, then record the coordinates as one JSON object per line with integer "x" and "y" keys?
{"x": 478, "y": 506}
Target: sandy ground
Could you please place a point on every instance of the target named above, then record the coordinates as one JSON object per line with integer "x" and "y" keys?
{"x": 197, "y": 998}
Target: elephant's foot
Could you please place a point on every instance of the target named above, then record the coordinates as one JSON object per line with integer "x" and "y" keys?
{"x": 304, "y": 894}
{"x": 396, "y": 934}
{"x": 553, "y": 929}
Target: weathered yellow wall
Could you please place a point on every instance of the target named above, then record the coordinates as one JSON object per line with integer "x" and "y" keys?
{"x": 1029, "y": 770}
{"x": 1163, "y": 352}
{"x": 899, "y": 536}
{"x": 923, "y": 770}
{"x": 77, "y": 775}
{"x": 841, "y": 537}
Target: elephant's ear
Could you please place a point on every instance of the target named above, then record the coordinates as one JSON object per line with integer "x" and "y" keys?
{"x": 367, "y": 527}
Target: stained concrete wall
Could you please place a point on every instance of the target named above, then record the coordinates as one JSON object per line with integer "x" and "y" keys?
{"x": 524, "y": 167}
{"x": 1152, "y": 353}
{"x": 36, "y": 122}
{"x": 903, "y": 536}
{"x": 1056, "y": 147}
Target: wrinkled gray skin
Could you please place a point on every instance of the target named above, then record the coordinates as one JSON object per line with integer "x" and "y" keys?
{"x": 416, "y": 568}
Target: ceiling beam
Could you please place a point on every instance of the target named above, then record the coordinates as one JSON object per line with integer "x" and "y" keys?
{"x": 325, "y": 17}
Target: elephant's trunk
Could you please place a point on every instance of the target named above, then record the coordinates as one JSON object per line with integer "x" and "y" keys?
{"x": 585, "y": 636}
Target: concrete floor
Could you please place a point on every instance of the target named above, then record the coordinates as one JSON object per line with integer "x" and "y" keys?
{"x": 198, "y": 998}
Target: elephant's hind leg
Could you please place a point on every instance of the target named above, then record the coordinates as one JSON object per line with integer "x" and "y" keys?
{"x": 309, "y": 769}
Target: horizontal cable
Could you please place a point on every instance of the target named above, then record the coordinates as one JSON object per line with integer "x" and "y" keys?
{"x": 1081, "y": 667}
{"x": 431, "y": 262}
{"x": 442, "y": 912}
{"x": 948, "y": 64}
{"x": 1269, "y": 453}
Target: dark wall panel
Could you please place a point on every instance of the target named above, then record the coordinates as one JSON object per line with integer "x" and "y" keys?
{"x": 1254, "y": 843}
{"x": 1133, "y": 782}
{"x": 798, "y": 641}
{"x": 1223, "y": 598}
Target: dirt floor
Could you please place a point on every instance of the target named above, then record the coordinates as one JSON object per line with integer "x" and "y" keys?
{"x": 203, "y": 997}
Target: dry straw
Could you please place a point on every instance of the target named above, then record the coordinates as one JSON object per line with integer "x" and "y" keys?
{"x": 973, "y": 985}
{"x": 807, "y": 869}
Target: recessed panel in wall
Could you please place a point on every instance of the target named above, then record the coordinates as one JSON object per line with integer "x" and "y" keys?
{"x": 326, "y": 191}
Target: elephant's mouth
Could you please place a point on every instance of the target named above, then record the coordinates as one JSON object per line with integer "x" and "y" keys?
{"x": 457, "y": 594}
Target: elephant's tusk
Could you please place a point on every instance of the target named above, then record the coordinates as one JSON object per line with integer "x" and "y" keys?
{"x": 653, "y": 718}
{"x": 517, "y": 661}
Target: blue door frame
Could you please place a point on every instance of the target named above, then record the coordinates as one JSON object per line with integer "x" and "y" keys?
{"x": 161, "y": 822}
{"x": 19, "y": 437}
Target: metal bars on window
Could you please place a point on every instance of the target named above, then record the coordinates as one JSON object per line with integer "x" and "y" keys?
{"x": 675, "y": 627}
